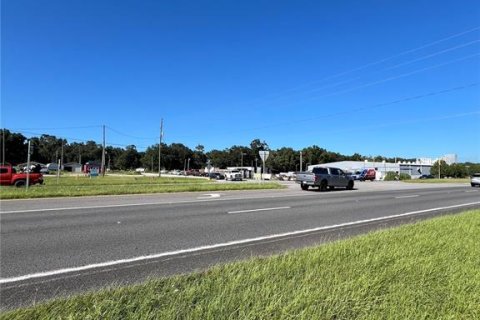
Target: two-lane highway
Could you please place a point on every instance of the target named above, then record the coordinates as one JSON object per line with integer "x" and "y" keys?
{"x": 70, "y": 245}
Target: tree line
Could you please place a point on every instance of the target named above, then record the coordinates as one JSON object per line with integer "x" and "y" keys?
{"x": 49, "y": 148}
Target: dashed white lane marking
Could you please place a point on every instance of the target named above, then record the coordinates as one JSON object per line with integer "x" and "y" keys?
{"x": 220, "y": 245}
{"x": 209, "y": 196}
{"x": 410, "y": 196}
{"x": 262, "y": 209}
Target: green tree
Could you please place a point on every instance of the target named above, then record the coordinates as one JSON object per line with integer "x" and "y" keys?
{"x": 284, "y": 160}
{"x": 14, "y": 147}
{"x": 199, "y": 159}
{"x": 441, "y": 166}
{"x": 177, "y": 156}
{"x": 129, "y": 159}
{"x": 48, "y": 148}
{"x": 356, "y": 157}
{"x": 457, "y": 170}
{"x": 219, "y": 158}
{"x": 313, "y": 155}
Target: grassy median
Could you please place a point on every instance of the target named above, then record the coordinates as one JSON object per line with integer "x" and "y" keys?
{"x": 76, "y": 186}
{"x": 429, "y": 270}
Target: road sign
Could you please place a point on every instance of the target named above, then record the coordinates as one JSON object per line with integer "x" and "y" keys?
{"x": 264, "y": 155}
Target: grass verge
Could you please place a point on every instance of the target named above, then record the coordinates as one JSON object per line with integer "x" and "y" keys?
{"x": 429, "y": 270}
{"x": 438, "y": 181}
{"x": 113, "y": 185}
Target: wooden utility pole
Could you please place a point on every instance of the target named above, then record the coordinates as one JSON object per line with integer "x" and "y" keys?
{"x": 160, "y": 149}
{"x": 103, "y": 153}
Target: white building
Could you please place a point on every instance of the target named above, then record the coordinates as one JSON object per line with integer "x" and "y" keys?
{"x": 414, "y": 169}
{"x": 448, "y": 158}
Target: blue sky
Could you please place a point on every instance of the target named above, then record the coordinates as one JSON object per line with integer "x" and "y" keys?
{"x": 392, "y": 78}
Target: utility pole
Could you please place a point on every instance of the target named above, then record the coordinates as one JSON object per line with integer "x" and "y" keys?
{"x": 103, "y": 153}
{"x": 28, "y": 165}
{"x": 3, "y": 146}
{"x": 61, "y": 156}
{"x": 160, "y": 149}
{"x": 301, "y": 161}
{"x": 439, "y": 167}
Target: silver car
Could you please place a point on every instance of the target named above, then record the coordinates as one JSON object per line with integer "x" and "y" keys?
{"x": 475, "y": 180}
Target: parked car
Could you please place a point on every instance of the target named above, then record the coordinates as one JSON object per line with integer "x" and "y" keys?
{"x": 367, "y": 174}
{"x": 323, "y": 178}
{"x": 10, "y": 177}
{"x": 475, "y": 180}
{"x": 426, "y": 176}
{"x": 233, "y": 175}
{"x": 355, "y": 175}
{"x": 216, "y": 176}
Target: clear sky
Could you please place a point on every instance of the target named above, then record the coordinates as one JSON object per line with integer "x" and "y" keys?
{"x": 392, "y": 78}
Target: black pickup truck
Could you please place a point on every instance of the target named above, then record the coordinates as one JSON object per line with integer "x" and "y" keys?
{"x": 323, "y": 178}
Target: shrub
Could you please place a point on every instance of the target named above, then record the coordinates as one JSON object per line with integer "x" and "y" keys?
{"x": 390, "y": 176}
{"x": 405, "y": 176}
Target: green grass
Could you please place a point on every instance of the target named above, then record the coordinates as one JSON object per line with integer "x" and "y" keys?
{"x": 429, "y": 270}
{"x": 75, "y": 186}
{"x": 464, "y": 180}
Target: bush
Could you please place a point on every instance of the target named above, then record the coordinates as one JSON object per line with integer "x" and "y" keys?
{"x": 405, "y": 176}
{"x": 390, "y": 176}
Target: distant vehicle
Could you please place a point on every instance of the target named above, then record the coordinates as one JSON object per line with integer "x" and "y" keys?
{"x": 216, "y": 176}
{"x": 10, "y": 177}
{"x": 52, "y": 166}
{"x": 367, "y": 174}
{"x": 177, "y": 172}
{"x": 323, "y": 178}
{"x": 355, "y": 175}
{"x": 475, "y": 180}
{"x": 426, "y": 176}
{"x": 233, "y": 175}
{"x": 193, "y": 172}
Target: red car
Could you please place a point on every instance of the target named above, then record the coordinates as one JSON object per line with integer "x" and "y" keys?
{"x": 367, "y": 174}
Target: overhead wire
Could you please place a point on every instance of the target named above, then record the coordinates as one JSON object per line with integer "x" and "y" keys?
{"x": 406, "y": 74}
{"x": 336, "y": 84}
{"x": 354, "y": 110}
{"x": 380, "y": 61}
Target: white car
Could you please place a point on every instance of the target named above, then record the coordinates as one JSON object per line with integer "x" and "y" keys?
{"x": 233, "y": 175}
{"x": 475, "y": 180}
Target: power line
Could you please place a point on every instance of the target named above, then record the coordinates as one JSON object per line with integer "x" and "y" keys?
{"x": 128, "y": 135}
{"x": 391, "y": 124}
{"x": 369, "y": 84}
{"x": 368, "y": 107}
{"x": 60, "y": 128}
{"x": 362, "y": 67}
{"x": 398, "y": 65}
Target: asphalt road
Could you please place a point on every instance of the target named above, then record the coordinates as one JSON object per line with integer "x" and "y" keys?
{"x": 55, "y": 247}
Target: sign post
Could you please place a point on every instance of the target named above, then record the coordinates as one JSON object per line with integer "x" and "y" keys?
{"x": 264, "y": 156}
{"x": 209, "y": 168}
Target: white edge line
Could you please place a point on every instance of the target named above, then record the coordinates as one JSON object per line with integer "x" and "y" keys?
{"x": 410, "y": 196}
{"x": 263, "y": 209}
{"x": 218, "y": 245}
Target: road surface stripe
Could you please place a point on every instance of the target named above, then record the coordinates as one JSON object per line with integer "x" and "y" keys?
{"x": 255, "y": 210}
{"x": 410, "y": 196}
